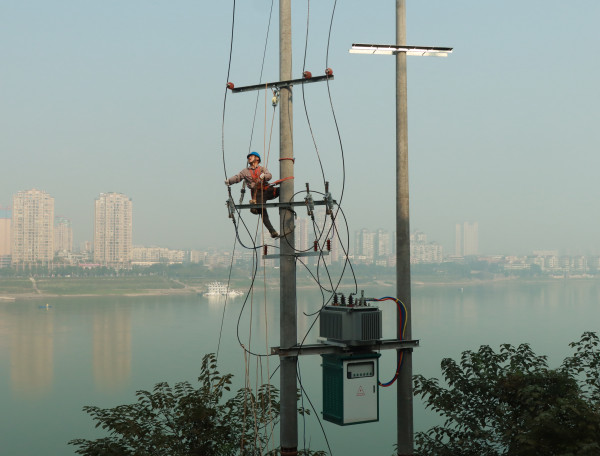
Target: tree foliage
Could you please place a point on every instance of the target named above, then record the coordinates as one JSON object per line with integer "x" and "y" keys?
{"x": 181, "y": 420}
{"x": 512, "y": 403}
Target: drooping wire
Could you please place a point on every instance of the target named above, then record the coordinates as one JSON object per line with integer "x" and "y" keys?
{"x": 402, "y": 312}
{"x": 255, "y": 108}
{"x": 347, "y": 262}
{"x": 304, "y": 393}
{"x": 226, "y": 298}
{"x": 304, "y": 98}
{"x": 225, "y": 97}
{"x": 262, "y": 66}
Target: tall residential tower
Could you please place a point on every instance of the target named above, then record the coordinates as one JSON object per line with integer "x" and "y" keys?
{"x": 112, "y": 230}
{"x": 467, "y": 239}
{"x": 32, "y": 231}
{"x": 5, "y": 245}
{"x": 63, "y": 235}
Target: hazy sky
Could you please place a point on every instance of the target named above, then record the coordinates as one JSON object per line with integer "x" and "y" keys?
{"x": 127, "y": 96}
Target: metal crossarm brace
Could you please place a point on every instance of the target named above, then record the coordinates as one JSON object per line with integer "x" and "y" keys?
{"x": 301, "y": 254}
{"x": 278, "y": 84}
{"x": 319, "y": 349}
{"x": 284, "y": 205}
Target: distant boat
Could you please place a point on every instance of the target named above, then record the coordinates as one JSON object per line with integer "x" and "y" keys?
{"x": 46, "y": 306}
{"x": 220, "y": 289}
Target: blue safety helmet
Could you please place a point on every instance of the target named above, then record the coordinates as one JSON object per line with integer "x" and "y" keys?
{"x": 254, "y": 153}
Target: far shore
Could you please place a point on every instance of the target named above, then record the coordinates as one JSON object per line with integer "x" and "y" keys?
{"x": 6, "y": 297}
{"x": 11, "y": 297}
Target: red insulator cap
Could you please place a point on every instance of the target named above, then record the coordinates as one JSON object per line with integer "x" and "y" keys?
{"x": 329, "y": 245}
{"x": 315, "y": 246}
{"x": 329, "y": 72}
{"x": 265, "y": 249}
{"x": 307, "y": 75}
{"x": 230, "y": 85}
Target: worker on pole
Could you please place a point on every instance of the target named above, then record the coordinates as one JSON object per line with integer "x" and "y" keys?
{"x": 256, "y": 178}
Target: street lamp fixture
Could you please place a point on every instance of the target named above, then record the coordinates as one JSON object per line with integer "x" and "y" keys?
{"x": 390, "y": 49}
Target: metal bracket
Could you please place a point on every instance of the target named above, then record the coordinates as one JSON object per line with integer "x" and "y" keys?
{"x": 282, "y": 205}
{"x": 301, "y": 254}
{"x": 321, "y": 349}
{"x": 291, "y": 82}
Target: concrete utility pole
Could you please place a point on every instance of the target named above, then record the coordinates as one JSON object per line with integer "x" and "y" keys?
{"x": 404, "y": 410}
{"x": 401, "y": 50}
{"x": 287, "y": 271}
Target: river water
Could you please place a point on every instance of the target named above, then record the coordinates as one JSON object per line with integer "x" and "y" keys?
{"x": 57, "y": 355}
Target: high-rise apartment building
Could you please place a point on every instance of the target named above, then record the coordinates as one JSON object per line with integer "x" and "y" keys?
{"x": 302, "y": 233}
{"x": 467, "y": 239}
{"x": 458, "y": 249}
{"x": 373, "y": 246}
{"x": 63, "y": 235}
{"x": 422, "y": 251}
{"x": 364, "y": 246}
{"x": 384, "y": 244}
{"x": 470, "y": 238}
{"x": 5, "y": 247}
{"x": 113, "y": 230}
{"x": 32, "y": 230}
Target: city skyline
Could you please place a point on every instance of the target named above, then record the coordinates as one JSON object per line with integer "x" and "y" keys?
{"x": 113, "y": 245}
{"x": 465, "y": 233}
{"x": 126, "y": 97}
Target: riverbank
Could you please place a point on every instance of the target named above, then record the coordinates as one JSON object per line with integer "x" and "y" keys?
{"x": 30, "y": 289}
{"x": 13, "y": 289}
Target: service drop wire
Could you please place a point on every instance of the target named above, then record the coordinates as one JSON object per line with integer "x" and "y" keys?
{"x": 255, "y": 261}
{"x": 304, "y": 98}
{"x": 226, "y": 88}
{"x": 299, "y": 377}
{"x": 347, "y": 262}
{"x": 402, "y": 325}
{"x": 255, "y": 246}
{"x": 322, "y": 289}
{"x": 226, "y": 297}
{"x": 262, "y": 66}
{"x": 337, "y": 128}
{"x": 320, "y": 231}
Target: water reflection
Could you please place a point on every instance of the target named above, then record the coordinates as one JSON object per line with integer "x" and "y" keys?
{"x": 31, "y": 353}
{"x": 70, "y": 355}
{"x": 112, "y": 349}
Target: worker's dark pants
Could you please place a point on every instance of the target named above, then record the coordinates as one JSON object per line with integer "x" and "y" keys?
{"x": 262, "y": 195}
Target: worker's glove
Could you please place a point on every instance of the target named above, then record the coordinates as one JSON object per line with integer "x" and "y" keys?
{"x": 262, "y": 176}
{"x": 227, "y": 182}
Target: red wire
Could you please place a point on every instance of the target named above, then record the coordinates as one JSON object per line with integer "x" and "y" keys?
{"x": 391, "y": 382}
